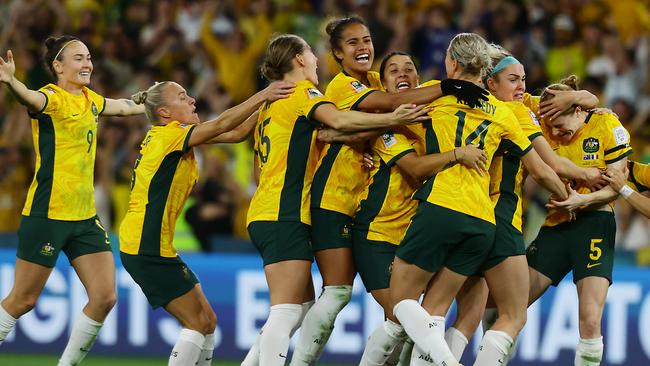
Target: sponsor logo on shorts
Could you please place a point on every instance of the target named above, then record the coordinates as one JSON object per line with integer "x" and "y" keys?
{"x": 47, "y": 250}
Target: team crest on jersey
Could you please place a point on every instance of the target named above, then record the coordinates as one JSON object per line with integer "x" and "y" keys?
{"x": 314, "y": 93}
{"x": 534, "y": 118}
{"x": 94, "y": 109}
{"x": 47, "y": 250}
{"x": 590, "y": 145}
{"x": 358, "y": 87}
{"x": 388, "y": 139}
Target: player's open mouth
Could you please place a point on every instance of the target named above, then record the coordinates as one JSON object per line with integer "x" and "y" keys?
{"x": 403, "y": 85}
{"x": 363, "y": 58}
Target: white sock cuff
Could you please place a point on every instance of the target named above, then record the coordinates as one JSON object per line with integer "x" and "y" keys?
{"x": 84, "y": 318}
{"x": 192, "y": 336}
{"x": 287, "y": 308}
{"x": 306, "y": 306}
{"x": 343, "y": 293}
{"x": 394, "y": 330}
{"x": 403, "y": 306}
{"x": 208, "y": 343}
{"x": 5, "y": 315}
{"x": 453, "y": 332}
{"x": 500, "y": 339}
{"x": 592, "y": 341}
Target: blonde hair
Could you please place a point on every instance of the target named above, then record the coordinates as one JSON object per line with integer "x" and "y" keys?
{"x": 569, "y": 83}
{"x": 471, "y": 52}
{"x": 152, "y": 99}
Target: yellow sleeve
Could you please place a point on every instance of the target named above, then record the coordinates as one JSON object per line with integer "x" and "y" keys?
{"x": 516, "y": 141}
{"x": 429, "y": 83}
{"x": 527, "y": 120}
{"x": 639, "y": 177}
{"x": 314, "y": 99}
{"x": 53, "y": 100}
{"x": 100, "y": 101}
{"x": 391, "y": 147}
{"x": 616, "y": 140}
{"x": 177, "y": 136}
{"x": 532, "y": 102}
{"x": 347, "y": 92}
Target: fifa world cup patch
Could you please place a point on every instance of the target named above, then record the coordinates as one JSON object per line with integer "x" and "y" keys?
{"x": 47, "y": 250}
{"x": 620, "y": 135}
{"x": 590, "y": 145}
{"x": 534, "y": 118}
{"x": 314, "y": 93}
{"x": 388, "y": 139}
{"x": 358, "y": 87}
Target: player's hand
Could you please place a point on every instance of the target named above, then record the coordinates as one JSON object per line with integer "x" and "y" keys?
{"x": 368, "y": 161}
{"x": 594, "y": 179}
{"x": 278, "y": 90}
{"x": 7, "y": 68}
{"x": 410, "y": 113}
{"x": 554, "y": 107}
{"x": 472, "y": 157}
{"x": 465, "y": 91}
{"x": 574, "y": 202}
{"x": 616, "y": 178}
{"x": 603, "y": 110}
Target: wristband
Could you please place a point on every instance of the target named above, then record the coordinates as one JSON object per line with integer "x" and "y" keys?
{"x": 626, "y": 191}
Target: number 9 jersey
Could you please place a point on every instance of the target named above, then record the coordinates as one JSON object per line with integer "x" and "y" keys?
{"x": 285, "y": 145}
{"x": 64, "y": 142}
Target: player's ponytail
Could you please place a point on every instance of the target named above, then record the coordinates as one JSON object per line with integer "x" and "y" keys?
{"x": 279, "y": 56}
{"x": 152, "y": 99}
{"x": 471, "y": 52}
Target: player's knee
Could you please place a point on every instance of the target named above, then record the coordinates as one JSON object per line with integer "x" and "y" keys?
{"x": 104, "y": 301}
{"x": 23, "y": 303}
{"x": 589, "y": 326}
{"x": 212, "y": 322}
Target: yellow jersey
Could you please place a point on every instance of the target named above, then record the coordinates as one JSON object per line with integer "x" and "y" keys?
{"x": 285, "y": 144}
{"x": 639, "y": 177}
{"x": 507, "y": 173}
{"x": 163, "y": 178}
{"x": 455, "y": 124}
{"x": 65, "y": 142}
{"x": 386, "y": 207}
{"x": 340, "y": 176}
{"x": 601, "y": 141}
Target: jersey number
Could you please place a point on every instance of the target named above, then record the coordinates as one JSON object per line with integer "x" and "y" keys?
{"x": 90, "y": 137}
{"x": 264, "y": 142}
{"x": 594, "y": 251}
{"x": 480, "y": 132}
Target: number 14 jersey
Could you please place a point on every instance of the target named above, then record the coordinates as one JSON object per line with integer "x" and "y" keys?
{"x": 454, "y": 124}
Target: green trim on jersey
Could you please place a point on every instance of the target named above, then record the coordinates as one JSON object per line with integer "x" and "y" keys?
{"x": 395, "y": 158}
{"x": 355, "y": 106}
{"x": 157, "y": 197}
{"x": 294, "y": 176}
{"x": 432, "y": 147}
{"x": 323, "y": 173}
{"x": 45, "y": 173}
{"x": 632, "y": 178}
{"x": 507, "y": 204}
{"x": 625, "y": 154}
{"x": 370, "y": 207}
{"x": 186, "y": 143}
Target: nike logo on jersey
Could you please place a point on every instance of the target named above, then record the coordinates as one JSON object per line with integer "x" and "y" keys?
{"x": 592, "y": 265}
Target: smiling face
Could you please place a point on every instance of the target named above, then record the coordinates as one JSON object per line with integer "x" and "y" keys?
{"x": 75, "y": 65}
{"x": 399, "y": 74}
{"x": 178, "y": 106}
{"x": 509, "y": 84}
{"x": 356, "y": 51}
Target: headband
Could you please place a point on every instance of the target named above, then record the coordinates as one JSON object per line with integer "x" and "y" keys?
{"x": 64, "y": 46}
{"x": 503, "y": 63}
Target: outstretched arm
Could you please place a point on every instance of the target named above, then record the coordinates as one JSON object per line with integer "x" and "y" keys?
{"x": 33, "y": 100}
{"x": 238, "y": 134}
{"x": 122, "y": 107}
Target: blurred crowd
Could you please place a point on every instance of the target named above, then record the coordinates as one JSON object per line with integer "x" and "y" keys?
{"x": 213, "y": 48}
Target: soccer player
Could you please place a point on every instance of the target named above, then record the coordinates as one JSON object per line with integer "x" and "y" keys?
{"x": 287, "y": 155}
{"x": 59, "y": 213}
{"x": 163, "y": 178}
{"x": 386, "y": 205}
{"x": 340, "y": 177}
{"x": 639, "y": 178}
{"x": 586, "y": 244}
{"x": 454, "y": 223}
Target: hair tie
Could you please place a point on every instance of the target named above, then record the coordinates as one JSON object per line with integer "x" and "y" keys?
{"x": 503, "y": 63}
{"x": 64, "y": 46}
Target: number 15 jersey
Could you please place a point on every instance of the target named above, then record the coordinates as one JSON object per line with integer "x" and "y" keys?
{"x": 454, "y": 124}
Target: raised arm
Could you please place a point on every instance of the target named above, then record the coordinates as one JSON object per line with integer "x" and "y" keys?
{"x": 234, "y": 116}
{"x": 330, "y": 135}
{"x": 238, "y": 134}
{"x": 543, "y": 174}
{"x": 466, "y": 91}
{"x": 350, "y": 121}
{"x": 122, "y": 107}
{"x": 33, "y": 100}
{"x": 564, "y": 99}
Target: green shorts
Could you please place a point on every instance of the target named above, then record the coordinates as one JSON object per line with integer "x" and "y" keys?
{"x": 373, "y": 260}
{"x": 584, "y": 246}
{"x": 508, "y": 242}
{"x": 161, "y": 279}
{"x": 330, "y": 229}
{"x": 438, "y": 236}
{"x": 279, "y": 241}
{"x": 41, "y": 239}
